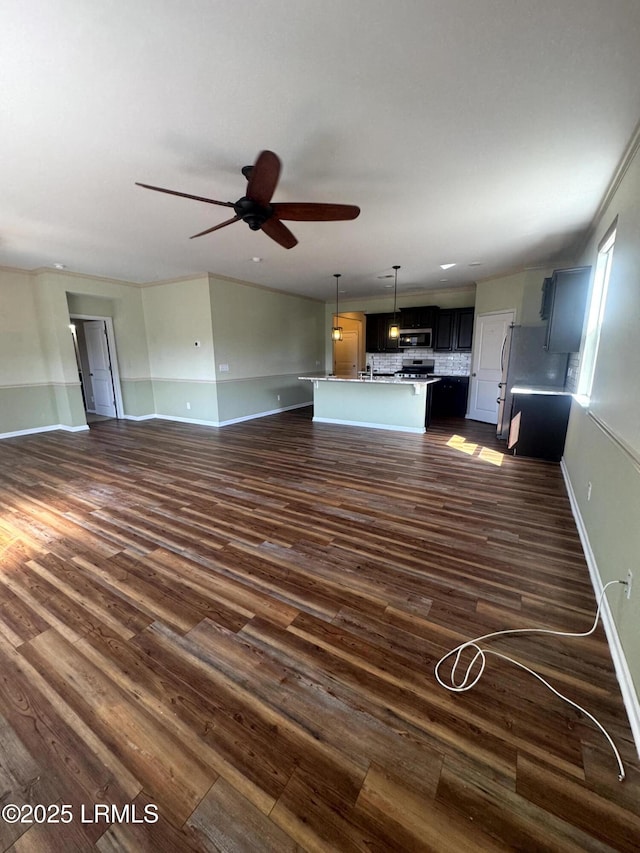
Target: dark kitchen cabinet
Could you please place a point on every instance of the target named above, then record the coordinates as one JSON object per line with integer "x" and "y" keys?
{"x": 377, "y": 333}
{"x": 539, "y": 425}
{"x": 454, "y": 330}
{"x": 450, "y": 397}
{"x": 564, "y": 302}
{"x": 465, "y": 329}
{"x": 423, "y": 317}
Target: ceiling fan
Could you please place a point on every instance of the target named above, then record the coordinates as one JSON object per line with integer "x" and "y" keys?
{"x": 255, "y": 207}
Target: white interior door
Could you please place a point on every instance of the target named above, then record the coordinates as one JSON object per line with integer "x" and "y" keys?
{"x": 346, "y": 355}
{"x": 100, "y": 367}
{"x": 489, "y": 338}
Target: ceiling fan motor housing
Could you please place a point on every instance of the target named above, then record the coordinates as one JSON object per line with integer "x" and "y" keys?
{"x": 252, "y": 213}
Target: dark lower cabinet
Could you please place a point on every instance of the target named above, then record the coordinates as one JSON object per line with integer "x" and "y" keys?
{"x": 539, "y": 425}
{"x": 450, "y": 397}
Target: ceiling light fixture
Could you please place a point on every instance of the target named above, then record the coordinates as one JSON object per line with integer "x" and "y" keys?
{"x": 59, "y": 266}
{"x": 394, "y": 328}
{"x": 336, "y": 331}
{"x": 446, "y": 266}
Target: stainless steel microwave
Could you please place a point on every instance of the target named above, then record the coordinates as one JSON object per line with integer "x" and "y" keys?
{"x": 415, "y": 338}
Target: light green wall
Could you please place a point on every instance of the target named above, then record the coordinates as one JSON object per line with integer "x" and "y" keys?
{"x": 94, "y": 306}
{"x": 22, "y": 355}
{"x": 245, "y": 397}
{"x": 267, "y": 337}
{"x": 616, "y": 388}
{"x": 186, "y": 400}
{"x": 176, "y": 315}
{"x": 521, "y": 291}
{"x": 27, "y": 407}
{"x": 460, "y": 297}
{"x": 36, "y": 348}
{"x": 137, "y": 397}
{"x": 38, "y": 385}
{"x": 611, "y": 517}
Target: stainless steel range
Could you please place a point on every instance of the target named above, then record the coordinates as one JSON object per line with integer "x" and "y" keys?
{"x": 416, "y": 368}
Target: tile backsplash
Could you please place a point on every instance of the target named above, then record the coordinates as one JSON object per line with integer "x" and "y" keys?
{"x": 446, "y": 363}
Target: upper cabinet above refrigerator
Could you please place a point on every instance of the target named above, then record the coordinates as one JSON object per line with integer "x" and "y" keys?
{"x": 564, "y": 302}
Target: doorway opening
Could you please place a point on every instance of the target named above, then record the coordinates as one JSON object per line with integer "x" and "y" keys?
{"x": 348, "y": 353}
{"x": 95, "y": 350}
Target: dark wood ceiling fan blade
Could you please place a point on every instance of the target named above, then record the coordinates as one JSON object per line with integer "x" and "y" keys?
{"x": 185, "y": 195}
{"x": 280, "y": 233}
{"x": 311, "y": 212}
{"x": 215, "y": 227}
{"x": 263, "y": 177}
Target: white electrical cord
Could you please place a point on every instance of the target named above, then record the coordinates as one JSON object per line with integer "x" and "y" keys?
{"x": 466, "y": 684}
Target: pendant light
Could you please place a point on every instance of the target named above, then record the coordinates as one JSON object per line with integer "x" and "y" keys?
{"x": 336, "y": 331}
{"x": 394, "y": 328}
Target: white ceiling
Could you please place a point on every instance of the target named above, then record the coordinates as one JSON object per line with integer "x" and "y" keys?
{"x": 466, "y": 130}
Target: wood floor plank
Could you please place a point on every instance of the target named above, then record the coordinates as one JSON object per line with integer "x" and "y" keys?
{"x": 240, "y": 627}
{"x": 176, "y": 778}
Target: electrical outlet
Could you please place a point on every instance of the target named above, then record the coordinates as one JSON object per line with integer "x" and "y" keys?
{"x": 188, "y": 405}
{"x": 588, "y": 491}
{"x": 629, "y": 584}
{"x": 278, "y": 397}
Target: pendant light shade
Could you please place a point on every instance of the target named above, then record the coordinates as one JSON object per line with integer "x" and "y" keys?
{"x": 394, "y": 328}
{"x": 336, "y": 331}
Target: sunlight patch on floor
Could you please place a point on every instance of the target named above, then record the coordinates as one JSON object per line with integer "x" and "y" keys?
{"x": 458, "y": 442}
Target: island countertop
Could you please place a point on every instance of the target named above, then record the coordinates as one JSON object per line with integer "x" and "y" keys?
{"x": 377, "y": 380}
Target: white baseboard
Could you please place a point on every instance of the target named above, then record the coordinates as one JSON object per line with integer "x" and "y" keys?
{"x": 418, "y": 430}
{"x": 196, "y": 421}
{"x": 49, "y": 428}
{"x": 629, "y": 695}
{"x": 138, "y": 417}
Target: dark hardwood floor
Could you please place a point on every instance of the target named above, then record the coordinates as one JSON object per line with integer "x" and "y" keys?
{"x": 239, "y": 628}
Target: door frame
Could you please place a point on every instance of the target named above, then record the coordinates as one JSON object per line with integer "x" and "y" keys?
{"x": 111, "y": 343}
{"x": 356, "y": 334}
{"x": 475, "y": 356}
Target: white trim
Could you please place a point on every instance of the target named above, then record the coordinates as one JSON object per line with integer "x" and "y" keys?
{"x": 629, "y": 694}
{"x": 418, "y": 430}
{"x": 186, "y": 420}
{"x": 41, "y": 385}
{"x": 139, "y": 417}
{"x": 49, "y": 428}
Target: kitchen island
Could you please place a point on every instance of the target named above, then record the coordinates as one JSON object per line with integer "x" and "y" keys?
{"x": 379, "y": 403}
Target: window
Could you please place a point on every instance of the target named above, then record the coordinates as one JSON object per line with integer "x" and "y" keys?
{"x": 596, "y": 312}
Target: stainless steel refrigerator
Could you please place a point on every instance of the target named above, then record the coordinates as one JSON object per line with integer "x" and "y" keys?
{"x": 526, "y": 362}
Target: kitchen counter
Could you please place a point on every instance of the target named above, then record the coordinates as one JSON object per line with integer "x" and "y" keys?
{"x": 379, "y": 403}
{"x": 540, "y": 389}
